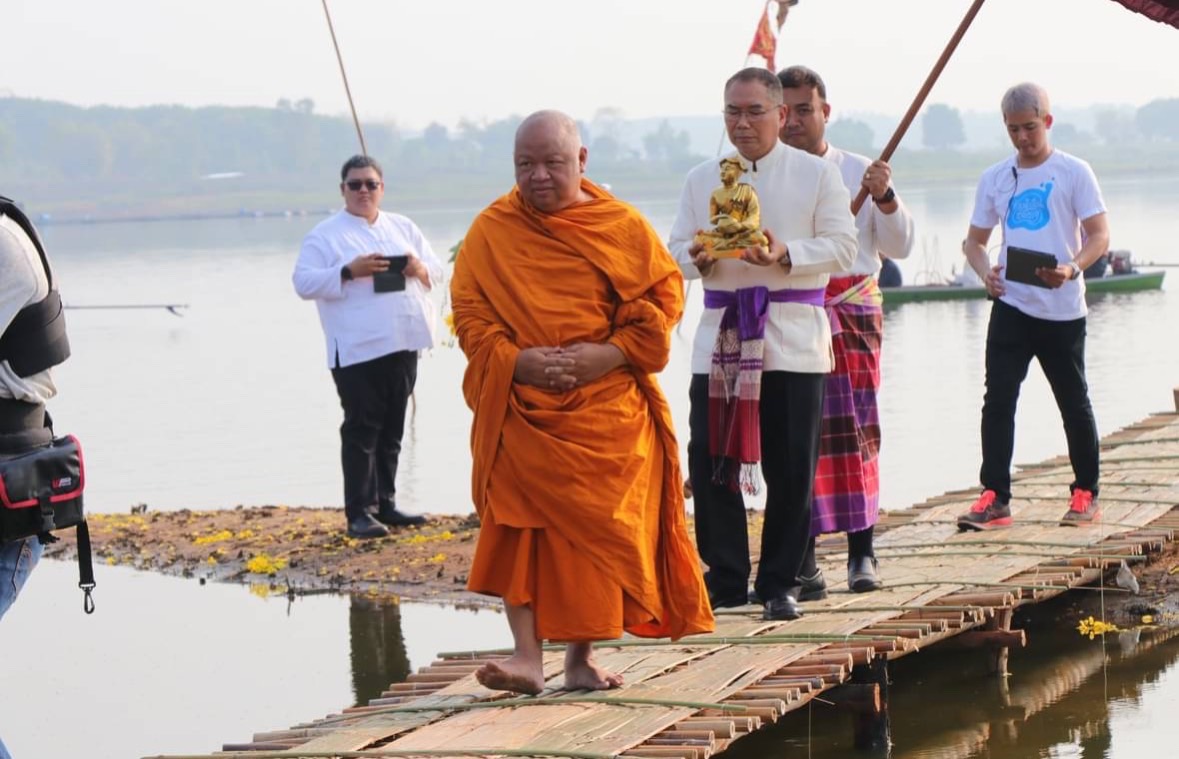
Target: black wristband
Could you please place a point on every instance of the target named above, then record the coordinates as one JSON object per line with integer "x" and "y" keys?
{"x": 345, "y": 273}
{"x": 888, "y": 196}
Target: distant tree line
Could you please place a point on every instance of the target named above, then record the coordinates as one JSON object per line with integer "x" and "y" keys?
{"x": 1158, "y": 120}
{"x": 105, "y": 160}
{"x": 47, "y": 142}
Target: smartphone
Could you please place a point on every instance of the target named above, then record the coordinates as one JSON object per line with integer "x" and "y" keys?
{"x": 392, "y": 279}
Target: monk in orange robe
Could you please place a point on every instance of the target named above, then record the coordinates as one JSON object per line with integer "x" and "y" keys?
{"x": 564, "y": 301}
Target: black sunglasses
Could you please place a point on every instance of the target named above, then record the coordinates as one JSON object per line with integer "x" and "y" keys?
{"x": 369, "y": 184}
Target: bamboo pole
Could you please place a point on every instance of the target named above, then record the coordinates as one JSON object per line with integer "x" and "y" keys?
{"x": 170, "y": 307}
{"x": 853, "y": 609}
{"x": 1053, "y": 522}
{"x": 690, "y": 642}
{"x": 344, "y": 76}
{"x": 921, "y": 95}
{"x": 385, "y": 752}
{"x": 1053, "y": 554}
{"x": 973, "y": 584}
{"x": 1033, "y": 543}
{"x": 545, "y": 701}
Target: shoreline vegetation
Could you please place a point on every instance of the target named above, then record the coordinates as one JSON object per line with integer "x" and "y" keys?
{"x": 297, "y": 550}
{"x": 71, "y": 164}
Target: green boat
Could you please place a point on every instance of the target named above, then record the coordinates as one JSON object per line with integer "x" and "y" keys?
{"x": 1114, "y": 283}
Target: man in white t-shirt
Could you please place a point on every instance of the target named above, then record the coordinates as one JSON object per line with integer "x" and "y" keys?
{"x": 375, "y": 322}
{"x": 1043, "y": 199}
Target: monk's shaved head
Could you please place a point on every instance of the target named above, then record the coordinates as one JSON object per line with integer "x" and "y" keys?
{"x": 550, "y": 160}
{"x": 555, "y": 123}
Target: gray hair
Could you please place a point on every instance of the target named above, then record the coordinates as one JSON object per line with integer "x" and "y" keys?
{"x": 1026, "y": 97}
{"x": 758, "y": 74}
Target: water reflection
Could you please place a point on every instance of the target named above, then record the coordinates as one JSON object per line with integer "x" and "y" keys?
{"x": 377, "y": 646}
{"x": 170, "y": 666}
{"x": 1066, "y": 696}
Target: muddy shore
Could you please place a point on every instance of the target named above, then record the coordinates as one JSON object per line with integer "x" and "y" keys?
{"x": 303, "y": 550}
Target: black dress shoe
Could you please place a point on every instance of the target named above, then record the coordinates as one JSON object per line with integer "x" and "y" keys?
{"x": 861, "y": 574}
{"x": 365, "y": 526}
{"x": 814, "y": 588}
{"x": 395, "y": 518}
{"x": 727, "y": 601}
{"x": 783, "y": 607}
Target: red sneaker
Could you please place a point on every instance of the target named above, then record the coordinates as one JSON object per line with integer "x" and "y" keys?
{"x": 986, "y": 513}
{"x": 1083, "y": 509}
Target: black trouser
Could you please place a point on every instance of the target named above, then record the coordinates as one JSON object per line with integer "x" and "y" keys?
{"x": 791, "y": 409}
{"x": 1013, "y": 339}
{"x": 374, "y": 395}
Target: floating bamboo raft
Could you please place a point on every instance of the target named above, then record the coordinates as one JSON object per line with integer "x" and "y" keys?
{"x": 692, "y": 698}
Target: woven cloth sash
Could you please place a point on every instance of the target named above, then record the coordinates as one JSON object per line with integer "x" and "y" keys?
{"x": 734, "y": 379}
{"x": 863, "y": 291}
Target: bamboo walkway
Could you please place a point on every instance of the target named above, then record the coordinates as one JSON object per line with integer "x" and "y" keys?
{"x": 692, "y": 698}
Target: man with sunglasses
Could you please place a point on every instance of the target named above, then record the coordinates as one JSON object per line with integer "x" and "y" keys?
{"x": 762, "y": 350}
{"x": 375, "y": 321}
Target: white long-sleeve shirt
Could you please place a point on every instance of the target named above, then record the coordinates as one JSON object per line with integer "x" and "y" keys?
{"x": 805, "y": 206}
{"x": 890, "y": 234}
{"x": 22, "y": 283}
{"x": 360, "y": 324}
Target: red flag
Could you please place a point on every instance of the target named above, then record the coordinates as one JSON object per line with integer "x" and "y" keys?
{"x": 763, "y": 40}
{"x": 1163, "y": 11}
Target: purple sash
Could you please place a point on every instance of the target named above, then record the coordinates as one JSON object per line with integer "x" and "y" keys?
{"x": 734, "y": 379}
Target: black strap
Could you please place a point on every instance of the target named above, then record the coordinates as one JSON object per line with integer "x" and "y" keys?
{"x": 9, "y": 208}
{"x": 85, "y": 567}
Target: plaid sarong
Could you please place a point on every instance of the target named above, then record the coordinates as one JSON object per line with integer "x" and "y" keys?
{"x": 734, "y": 380}
{"x": 847, "y": 482}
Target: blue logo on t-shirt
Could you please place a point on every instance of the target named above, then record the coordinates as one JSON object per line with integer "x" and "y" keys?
{"x": 1029, "y": 209}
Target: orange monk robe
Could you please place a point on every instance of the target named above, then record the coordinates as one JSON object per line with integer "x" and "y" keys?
{"x": 579, "y": 493}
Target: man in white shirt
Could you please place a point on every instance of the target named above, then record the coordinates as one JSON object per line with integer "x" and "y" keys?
{"x": 1043, "y": 199}
{"x": 762, "y": 349}
{"x": 847, "y": 479}
{"x": 375, "y": 321}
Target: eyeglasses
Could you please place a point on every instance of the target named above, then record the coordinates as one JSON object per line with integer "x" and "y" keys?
{"x": 751, "y": 115}
{"x": 356, "y": 184}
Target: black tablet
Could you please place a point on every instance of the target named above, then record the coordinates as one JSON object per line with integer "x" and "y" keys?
{"x": 392, "y": 279}
{"x": 1022, "y": 264}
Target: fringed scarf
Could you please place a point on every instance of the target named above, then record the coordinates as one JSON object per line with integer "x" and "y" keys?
{"x": 734, "y": 380}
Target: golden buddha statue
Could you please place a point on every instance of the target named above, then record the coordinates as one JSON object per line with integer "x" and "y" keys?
{"x": 735, "y": 214}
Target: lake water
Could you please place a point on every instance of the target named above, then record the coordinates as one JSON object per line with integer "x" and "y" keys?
{"x": 233, "y": 403}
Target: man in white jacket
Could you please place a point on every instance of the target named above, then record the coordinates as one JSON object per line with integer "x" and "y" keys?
{"x": 847, "y": 479}
{"x": 762, "y": 349}
{"x": 369, "y": 273}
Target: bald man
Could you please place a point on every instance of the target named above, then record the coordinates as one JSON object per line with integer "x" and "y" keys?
{"x": 564, "y": 301}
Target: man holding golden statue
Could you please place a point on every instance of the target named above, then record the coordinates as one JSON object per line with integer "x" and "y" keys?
{"x": 763, "y": 347}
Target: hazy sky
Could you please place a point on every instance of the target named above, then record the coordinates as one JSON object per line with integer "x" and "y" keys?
{"x": 415, "y": 61}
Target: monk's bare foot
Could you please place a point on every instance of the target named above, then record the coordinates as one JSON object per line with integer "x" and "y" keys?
{"x": 585, "y": 675}
{"x": 512, "y": 675}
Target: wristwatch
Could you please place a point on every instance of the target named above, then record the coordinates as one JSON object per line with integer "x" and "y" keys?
{"x": 1076, "y": 269}
{"x": 888, "y": 196}
{"x": 346, "y": 273}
